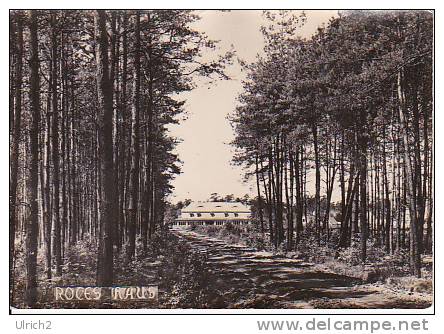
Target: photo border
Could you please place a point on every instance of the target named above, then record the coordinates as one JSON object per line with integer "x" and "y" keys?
{"x": 228, "y": 311}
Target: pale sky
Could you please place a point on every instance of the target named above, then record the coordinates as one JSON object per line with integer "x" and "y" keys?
{"x": 206, "y": 134}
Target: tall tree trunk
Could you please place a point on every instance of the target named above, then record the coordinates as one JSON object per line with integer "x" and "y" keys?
{"x": 150, "y": 147}
{"x": 363, "y": 201}
{"x": 105, "y": 94}
{"x": 15, "y": 147}
{"x": 331, "y": 172}
{"x": 259, "y": 198}
{"x": 47, "y": 195}
{"x": 288, "y": 178}
{"x": 299, "y": 200}
{"x": 317, "y": 182}
{"x": 32, "y": 223}
{"x": 136, "y": 145}
{"x": 267, "y": 202}
{"x": 344, "y": 240}
{"x": 344, "y": 227}
{"x": 429, "y": 235}
{"x": 363, "y": 186}
{"x": 415, "y": 256}
{"x": 270, "y": 195}
{"x": 123, "y": 151}
{"x": 387, "y": 203}
{"x": 55, "y": 148}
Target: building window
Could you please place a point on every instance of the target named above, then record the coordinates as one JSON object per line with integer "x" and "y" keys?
{"x": 236, "y": 215}
{"x": 191, "y": 214}
{"x": 199, "y": 214}
{"x": 226, "y": 214}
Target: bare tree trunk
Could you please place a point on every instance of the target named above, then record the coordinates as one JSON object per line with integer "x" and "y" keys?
{"x": 136, "y": 145}
{"x": 415, "y": 256}
{"x": 363, "y": 201}
{"x": 259, "y": 198}
{"x": 288, "y": 178}
{"x": 150, "y": 155}
{"x": 55, "y": 149}
{"x": 344, "y": 226}
{"x": 105, "y": 94}
{"x": 15, "y": 148}
{"x": 46, "y": 189}
{"x": 331, "y": 172}
{"x": 426, "y": 182}
{"x": 299, "y": 200}
{"x": 270, "y": 196}
{"x": 123, "y": 152}
{"x": 32, "y": 223}
{"x": 317, "y": 183}
{"x": 387, "y": 205}
{"x": 362, "y": 143}
{"x": 429, "y": 233}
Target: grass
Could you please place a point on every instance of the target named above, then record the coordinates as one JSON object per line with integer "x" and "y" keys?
{"x": 170, "y": 263}
{"x": 390, "y": 269}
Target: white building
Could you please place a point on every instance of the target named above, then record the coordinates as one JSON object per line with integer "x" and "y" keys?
{"x": 214, "y": 213}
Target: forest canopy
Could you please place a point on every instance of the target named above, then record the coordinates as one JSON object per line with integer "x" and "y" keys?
{"x": 91, "y": 96}
{"x": 354, "y": 103}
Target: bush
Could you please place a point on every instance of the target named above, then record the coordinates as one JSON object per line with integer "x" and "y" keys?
{"x": 247, "y": 235}
{"x": 185, "y": 277}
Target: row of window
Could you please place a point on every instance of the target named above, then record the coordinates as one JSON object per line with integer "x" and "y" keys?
{"x": 212, "y": 214}
{"x": 237, "y": 222}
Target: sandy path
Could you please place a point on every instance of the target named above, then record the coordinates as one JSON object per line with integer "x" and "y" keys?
{"x": 242, "y": 277}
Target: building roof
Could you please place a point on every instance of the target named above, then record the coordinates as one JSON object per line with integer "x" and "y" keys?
{"x": 224, "y": 219}
{"x": 216, "y": 207}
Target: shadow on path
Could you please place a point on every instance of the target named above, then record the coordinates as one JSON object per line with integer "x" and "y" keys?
{"x": 241, "y": 277}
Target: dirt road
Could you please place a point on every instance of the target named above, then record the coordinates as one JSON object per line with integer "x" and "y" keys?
{"x": 242, "y": 277}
